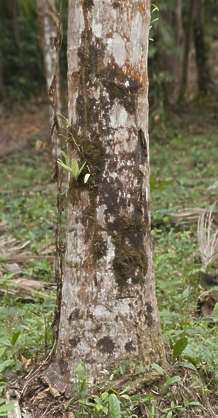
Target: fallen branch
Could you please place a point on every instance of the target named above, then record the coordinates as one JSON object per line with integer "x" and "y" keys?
{"x": 25, "y": 288}
{"x": 24, "y": 257}
{"x": 192, "y": 214}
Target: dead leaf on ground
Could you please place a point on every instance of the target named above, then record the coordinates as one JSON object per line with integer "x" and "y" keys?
{"x": 26, "y": 363}
{"x": 54, "y": 392}
{"x": 41, "y": 395}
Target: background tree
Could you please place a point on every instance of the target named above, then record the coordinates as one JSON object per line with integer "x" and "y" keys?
{"x": 165, "y": 53}
{"x": 204, "y": 79}
{"x": 186, "y": 52}
{"x": 171, "y": 39}
{"x": 109, "y": 310}
{"x": 50, "y": 29}
{"x": 21, "y": 63}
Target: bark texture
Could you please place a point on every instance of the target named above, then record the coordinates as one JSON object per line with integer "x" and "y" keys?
{"x": 49, "y": 28}
{"x": 109, "y": 311}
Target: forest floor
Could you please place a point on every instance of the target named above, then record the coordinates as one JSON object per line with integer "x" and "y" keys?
{"x": 184, "y": 155}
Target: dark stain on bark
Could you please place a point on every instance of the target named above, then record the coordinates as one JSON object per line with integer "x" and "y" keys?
{"x": 110, "y": 193}
{"x": 129, "y": 347}
{"x": 130, "y": 260}
{"x": 142, "y": 142}
{"x": 148, "y": 314}
{"x": 75, "y": 315}
{"x": 88, "y": 3}
{"x": 74, "y": 341}
{"x": 106, "y": 345}
{"x": 120, "y": 87}
{"x": 99, "y": 246}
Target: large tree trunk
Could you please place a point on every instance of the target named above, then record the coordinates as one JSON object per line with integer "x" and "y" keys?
{"x": 109, "y": 311}
{"x": 49, "y": 28}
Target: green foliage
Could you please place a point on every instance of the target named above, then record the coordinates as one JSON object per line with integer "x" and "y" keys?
{"x": 162, "y": 45}
{"x": 98, "y": 406}
{"x": 27, "y": 7}
{"x": 20, "y": 53}
{"x": 114, "y": 403}
{"x": 5, "y": 406}
{"x": 190, "y": 161}
{"x": 73, "y": 169}
{"x": 114, "y": 406}
{"x": 23, "y": 59}
{"x": 179, "y": 347}
{"x": 170, "y": 381}
{"x": 27, "y": 205}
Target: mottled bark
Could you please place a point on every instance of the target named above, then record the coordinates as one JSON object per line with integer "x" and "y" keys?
{"x": 204, "y": 79}
{"x": 49, "y": 34}
{"x": 109, "y": 311}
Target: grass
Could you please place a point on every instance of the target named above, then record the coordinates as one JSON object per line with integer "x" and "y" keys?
{"x": 29, "y": 207}
{"x": 184, "y": 156}
{"x": 185, "y": 165}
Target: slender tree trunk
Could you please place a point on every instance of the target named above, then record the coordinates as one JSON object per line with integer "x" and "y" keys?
{"x": 2, "y": 87}
{"x": 187, "y": 46}
{"x": 49, "y": 28}
{"x": 204, "y": 78}
{"x": 177, "y": 70}
{"x": 171, "y": 62}
{"x": 15, "y": 26}
{"x": 179, "y": 24}
{"x": 109, "y": 311}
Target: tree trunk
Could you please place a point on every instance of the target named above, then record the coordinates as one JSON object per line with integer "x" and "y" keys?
{"x": 2, "y": 87}
{"x": 109, "y": 311}
{"x": 15, "y": 25}
{"x": 180, "y": 37}
{"x": 49, "y": 34}
{"x": 204, "y": 78}
{"x": 187, "y": 46}
{"x": 170, "y": 61}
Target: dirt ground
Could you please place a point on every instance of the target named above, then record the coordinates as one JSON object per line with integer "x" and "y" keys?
{"x": 21, "y": 123}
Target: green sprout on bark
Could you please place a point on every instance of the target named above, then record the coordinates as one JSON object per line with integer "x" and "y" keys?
{"x": 73, "y": 168}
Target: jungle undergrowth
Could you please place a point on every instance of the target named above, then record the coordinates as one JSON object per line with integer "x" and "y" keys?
{"x": 183, "y": 166}
{"x": 28, "y": 214}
